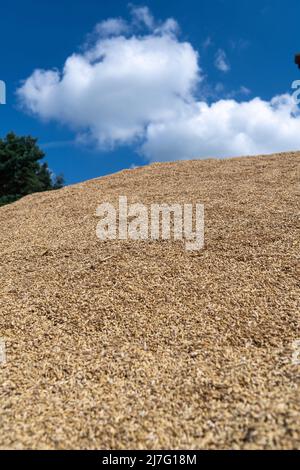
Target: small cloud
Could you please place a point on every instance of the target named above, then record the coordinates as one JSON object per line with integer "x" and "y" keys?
{"x": 219, "y": 87}
{"x": 111, "y": 27}
{"x": 241, "y": 91}
{"x": 207, "y": 43}
{"x": 239, "y": 45}
{"x": 219, "y": 91}
{"x": 142, "y": 16}
{"x": 169, "y": 27}
{"x": 244, "y": 90}
{"x": 58, "y": 144}
{"x": 221, "y": 62}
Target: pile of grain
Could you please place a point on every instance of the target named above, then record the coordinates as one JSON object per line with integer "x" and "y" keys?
{"x": 143, "y": 344}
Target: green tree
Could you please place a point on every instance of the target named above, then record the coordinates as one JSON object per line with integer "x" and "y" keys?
{"x": 21, "y": 170}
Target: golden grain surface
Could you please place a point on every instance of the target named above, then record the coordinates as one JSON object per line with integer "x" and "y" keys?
{"x": 117, "y": 345}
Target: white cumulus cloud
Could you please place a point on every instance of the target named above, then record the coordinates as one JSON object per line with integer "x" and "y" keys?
{"x": 139, "y": 87}
{"x": 226, "y": 128}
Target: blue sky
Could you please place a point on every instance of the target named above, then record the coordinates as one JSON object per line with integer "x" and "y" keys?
{"x": 244, "y": 49}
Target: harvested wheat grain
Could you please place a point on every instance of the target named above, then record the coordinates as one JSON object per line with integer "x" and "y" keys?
{"x": 124, "y": 344}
